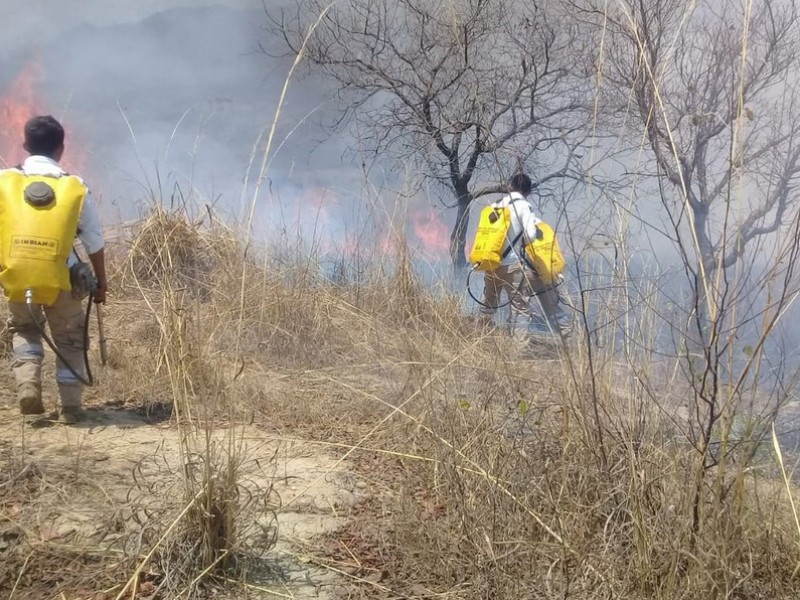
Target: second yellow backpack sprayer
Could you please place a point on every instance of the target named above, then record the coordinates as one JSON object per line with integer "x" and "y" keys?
{"x": 544, "y": 255}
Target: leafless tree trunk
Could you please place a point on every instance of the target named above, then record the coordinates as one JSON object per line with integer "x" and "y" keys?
{"x": 714, "y": 92}
{"x": 711, "y": 88}
{"x": 466, "y": 90}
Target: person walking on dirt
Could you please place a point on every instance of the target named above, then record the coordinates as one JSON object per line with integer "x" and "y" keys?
{"x": 42, "y": 210}
{"x": 514, "y": 276}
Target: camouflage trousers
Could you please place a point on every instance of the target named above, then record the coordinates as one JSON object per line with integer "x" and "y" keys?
{"x": 65, "y": 320}
{"x": 522, "y": 286}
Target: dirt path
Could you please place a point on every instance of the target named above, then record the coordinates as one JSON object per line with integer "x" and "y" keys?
{"x": 96, "y": 483}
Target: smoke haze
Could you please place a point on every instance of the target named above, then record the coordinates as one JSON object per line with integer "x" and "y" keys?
{"x": 161, "y": 98}
{"x": 168, "y": 97}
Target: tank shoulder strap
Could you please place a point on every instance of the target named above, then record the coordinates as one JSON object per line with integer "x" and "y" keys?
{"x": 507, "y": 251}
{"x": 518, "y": 237}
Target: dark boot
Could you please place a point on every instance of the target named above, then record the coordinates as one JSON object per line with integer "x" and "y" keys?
{"x": 29, "y": 397}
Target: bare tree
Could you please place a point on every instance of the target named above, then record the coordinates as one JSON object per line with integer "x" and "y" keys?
{"x": 461, "y": 88}
{"x": 714, "y": 94}
{"x": 710, "y": 88}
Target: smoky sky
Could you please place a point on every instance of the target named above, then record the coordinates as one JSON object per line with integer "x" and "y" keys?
{"x": 164, "y": 97}
{"x": 167, "y": 97}
{"x": 160, "y": 98}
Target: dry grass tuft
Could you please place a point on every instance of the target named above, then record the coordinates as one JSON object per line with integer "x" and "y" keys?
{"x": 36, "y": 554}
{"x": 167, "y": 244}
{"x": 225, "y": 530}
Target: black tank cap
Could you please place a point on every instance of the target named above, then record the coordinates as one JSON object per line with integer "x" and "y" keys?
{"x": 39, "y": 194}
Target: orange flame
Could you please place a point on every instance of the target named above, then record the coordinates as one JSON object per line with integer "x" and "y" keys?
{"x": 20, "y": 101}
{"x": 432, "y": 232}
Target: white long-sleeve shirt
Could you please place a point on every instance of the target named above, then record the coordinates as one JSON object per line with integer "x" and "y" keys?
{"x": 90, "y": 228}
{"x": 523, "y": 220}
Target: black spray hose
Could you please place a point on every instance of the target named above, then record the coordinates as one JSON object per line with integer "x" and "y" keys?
{"x": 510, "y": 298}
{"x": 481, "y": 302}
{"x": 89, "y": 379}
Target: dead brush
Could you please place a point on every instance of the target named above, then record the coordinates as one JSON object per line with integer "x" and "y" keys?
{"x": 513, "y": 476}
{"x": 296, "y": 314}
{"x": 34, "y": 558}
{"x": 19, "y": 481}
{"x": 223, "y": 523}
{"x": 17, "y": 474}
{"x": 171, "y": 244}
{"x": 288, "y": 318}
{"x": 33, "y": 571}
{"x": 164, "y": 254}
{"x": 526, "y": 479}
{"x": 224, "y": 531}
{"x": 528, "y": 513}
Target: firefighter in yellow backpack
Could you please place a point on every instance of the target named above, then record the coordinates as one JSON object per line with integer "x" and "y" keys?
{"x": 42, "y": 211}
{"x": 520, "y": 257}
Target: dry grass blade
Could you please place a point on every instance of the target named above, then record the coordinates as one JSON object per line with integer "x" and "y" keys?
{"x": 134, "y": 578}
{"x": 787, "y": 482}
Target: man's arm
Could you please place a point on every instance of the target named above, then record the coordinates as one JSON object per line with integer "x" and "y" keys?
{"x": 91, "y": 236}
{"x": 98, "y": 260}
{"x": 528, "y": 221}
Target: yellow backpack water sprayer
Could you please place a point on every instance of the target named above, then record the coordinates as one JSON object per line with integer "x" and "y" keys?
{"x": 38, "y": 224}
{"x": 544, "y": 254}
{"x": 490, "y": 237}
{"x": 39, "y": 218}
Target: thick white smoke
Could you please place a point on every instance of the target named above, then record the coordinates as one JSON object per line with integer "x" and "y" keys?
{"x": 172, "y": 98}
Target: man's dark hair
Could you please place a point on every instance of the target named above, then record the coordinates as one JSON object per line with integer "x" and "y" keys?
{"x": 43, "y": 136}
{"x": 520, "y": 183}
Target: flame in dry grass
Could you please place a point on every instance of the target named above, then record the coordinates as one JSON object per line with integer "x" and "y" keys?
{"x": 18, "y": 103}
{"x": 430, "y": 230}
{"x": 22, "y": 99}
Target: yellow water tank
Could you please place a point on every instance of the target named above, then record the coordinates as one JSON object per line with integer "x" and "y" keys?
{"x": 545, "y": 254}
{"x": 38, "y": 224}
{"x": 490, "y": 237}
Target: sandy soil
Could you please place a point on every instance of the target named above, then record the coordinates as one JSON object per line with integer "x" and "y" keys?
{"x": 97, "y": 482}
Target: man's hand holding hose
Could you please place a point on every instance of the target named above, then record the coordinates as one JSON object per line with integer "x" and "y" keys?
{"x": 98, "y": 261}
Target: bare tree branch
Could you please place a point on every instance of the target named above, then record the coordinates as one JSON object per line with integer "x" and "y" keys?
{"x": 715, "y": 113}
{"x": 458, "y": 88}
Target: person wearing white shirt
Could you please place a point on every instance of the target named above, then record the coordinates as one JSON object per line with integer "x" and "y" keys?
{"x": 44, "y": 142}
{"x": 515, "y": 277}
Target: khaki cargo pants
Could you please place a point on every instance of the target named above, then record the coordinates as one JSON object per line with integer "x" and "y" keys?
{"x": 65, "y": 319}
{"x": 519, "y": 283}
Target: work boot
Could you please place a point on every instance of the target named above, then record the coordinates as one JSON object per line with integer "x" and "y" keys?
{"x": 70, "y": 411}
{"x": 29, "y": 396}
{"x": 70, "y": 415}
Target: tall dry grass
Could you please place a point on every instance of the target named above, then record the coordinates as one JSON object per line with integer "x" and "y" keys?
{"x": 498, "y": 469}
{"x": 495, "y": 469}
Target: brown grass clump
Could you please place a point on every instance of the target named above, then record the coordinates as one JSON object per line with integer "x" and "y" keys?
{"x": 36, "y": 553}
{"x": 170, "y": 245}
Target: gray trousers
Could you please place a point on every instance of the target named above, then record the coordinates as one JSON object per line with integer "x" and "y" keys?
{"x": 522, "y": 285}
{"x": 65, "y": 319}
